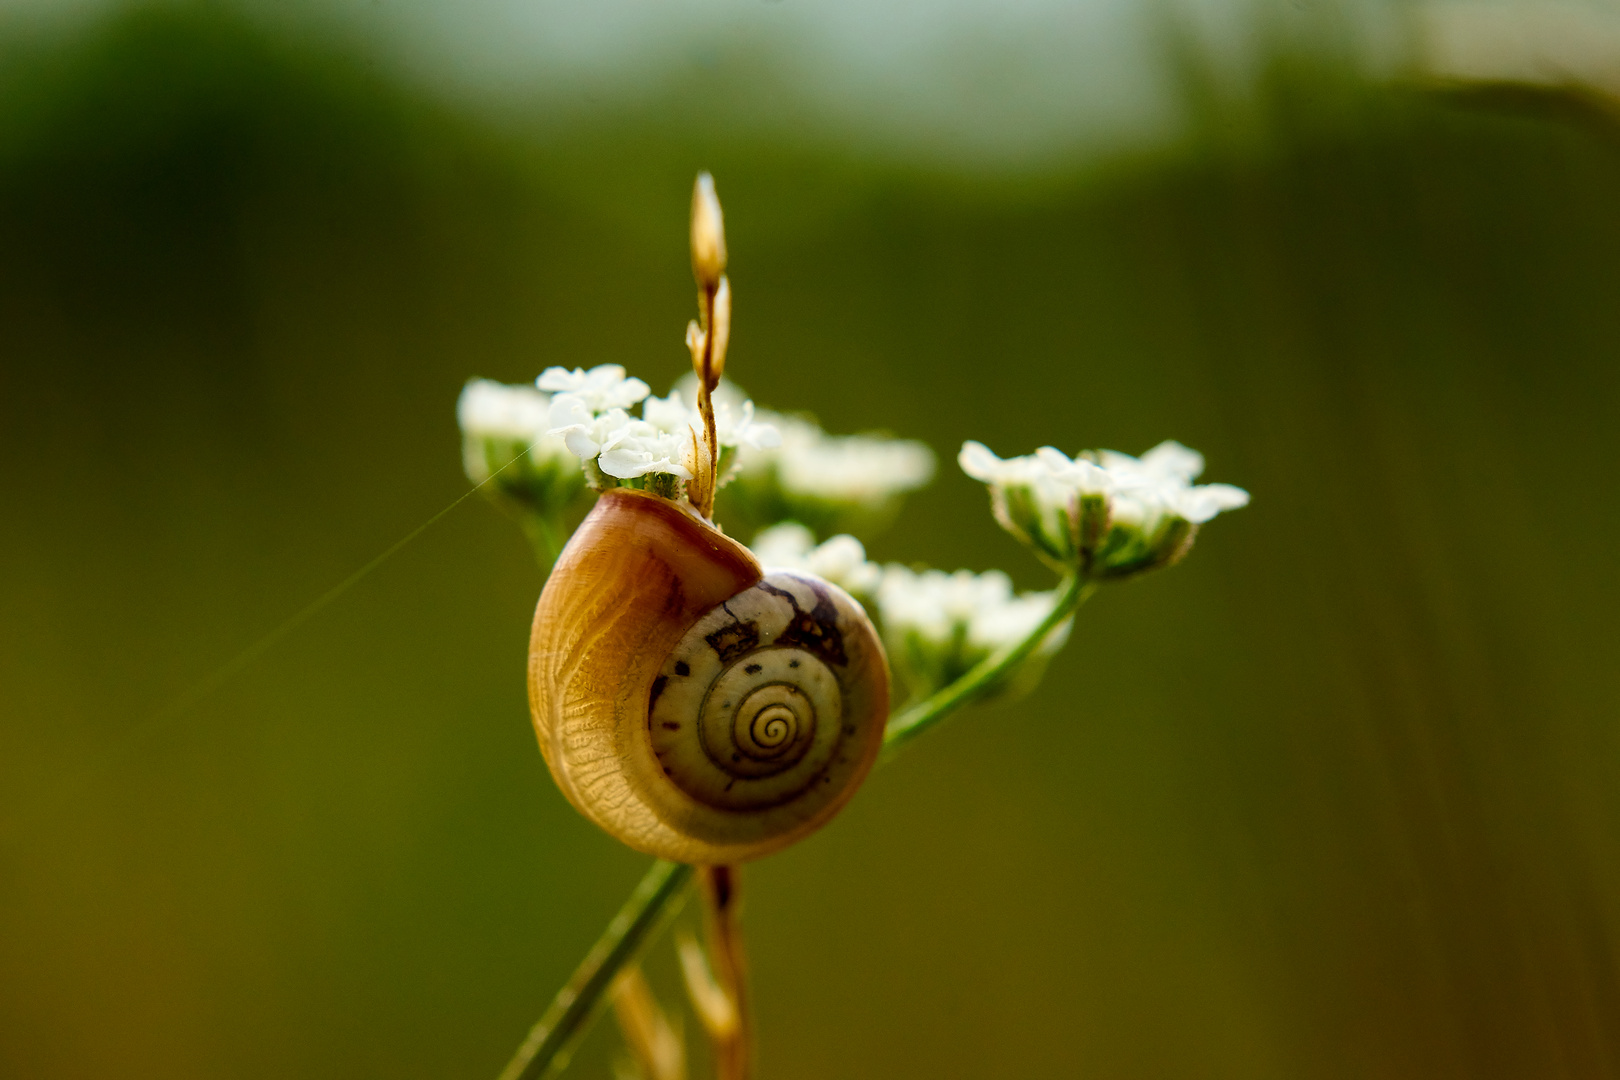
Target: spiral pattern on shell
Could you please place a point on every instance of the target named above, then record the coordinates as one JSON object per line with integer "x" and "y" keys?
{"x": 747, "y": 712}
{"x": 691, "y": 705}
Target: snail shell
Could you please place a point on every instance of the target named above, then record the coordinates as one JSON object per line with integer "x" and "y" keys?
{"x": 694, "y": 706}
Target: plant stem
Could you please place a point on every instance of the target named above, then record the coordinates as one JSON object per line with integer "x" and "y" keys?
{"x": 552, "y": 1041}
{"x": 543, "y": 537}
{"x": 733, "y": 1041}
{"x": 705, "y": 399}
{"x": 652, "y": 1039}
{"x": 546, "y": 1051}
{"x": 985, "y": 674}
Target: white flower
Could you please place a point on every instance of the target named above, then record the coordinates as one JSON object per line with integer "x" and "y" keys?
{"x": 1160, "y": 482}
{"x": 841, "y": 560}
{"x": 1036, "y": 498}
{"x": 638, "y": 448}
{"x": 734, "y": 421}
{"x": 505, "y": 444}
{"x": 1106, "y": 513}
{"x": 934, "y": 603}
{"x": 601, "y": 388}
{"x": 490, "y": 409}
{"x": 1080, "y": 475}
{"x": 737, "y": 427}
{"x": 854, "y": 468}
{"x": 943, "y": 606}
{"x": 807, "y": 463}
{"x": 670, "y": 414}
{"x": 1014, "y": 619}
{"x": 1168, "y": 461}
{"x": 498, "y": 422}
{"x": 981, "y": 463}
{"x": 786, "y": 467}
{"x": 937, "y": 626}
{"x": 1200, "y": 504}
{"x": 784, "y": 545}
{"x": 584, "y": 430}
{"x": 590, "y": 414}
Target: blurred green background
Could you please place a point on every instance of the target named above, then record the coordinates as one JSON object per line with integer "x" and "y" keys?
{"x": 1335, "y": 798}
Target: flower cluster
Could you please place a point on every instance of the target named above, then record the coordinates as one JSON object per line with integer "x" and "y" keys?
{"x": 938, "y": 626}
{"x": 1101, "y": 514}
{"x": 832, "y": 483}
{"x": 841, "y": 560}
{"x": 591, "y": 413}
{"x": 935, "y": 626}
{"x": 504, "y": 446}
{"x": 1104, "y": 514}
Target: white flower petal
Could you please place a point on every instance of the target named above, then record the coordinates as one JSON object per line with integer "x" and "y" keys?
{"x": 669, "y": 414}
{"x": 857, "y": 469}
{"x": 602, "y": 387}
{"x": 567, "y": 411}
{"x": 579, "y": 442}
{"x": 561, "y": 380}
{"x": 624, "y": 394}
{"x": 1200, "y": 504}
{"x": 1170, "y": 458}
{"x": 495, "y": 410}
{"x": 1054, "y": 459}
{"x": 1014, "y": 619}
{"x": 841, "y": 560}
{"x": 784, "y": 545}
{"x": 1091, "y": 478}
{"x": 979, "y": 462}
{"x": 737, "y": 427}
{"x": 759, "y": 437}
{"x": 625, "y": 464}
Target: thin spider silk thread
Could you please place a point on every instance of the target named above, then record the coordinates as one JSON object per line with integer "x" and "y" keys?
{"x": 208, "y": 684}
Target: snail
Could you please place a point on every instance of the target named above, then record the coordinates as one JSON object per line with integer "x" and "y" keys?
{"x": 692, "y": 704}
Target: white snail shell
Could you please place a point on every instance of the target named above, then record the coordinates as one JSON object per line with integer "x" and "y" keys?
{"x": 692, "y": 705}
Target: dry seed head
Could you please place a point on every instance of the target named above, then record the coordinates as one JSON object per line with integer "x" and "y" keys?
{"x": 696, "y": 341}
{"x": 720, "y": 330}
{"x": 708, "y": 234}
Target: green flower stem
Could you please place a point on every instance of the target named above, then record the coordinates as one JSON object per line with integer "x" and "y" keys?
{"x": 985, "y": 674}
{"x": 543, "y": 534}
{"x": 552, "y": 1041}
{"x": 546, "y": 1051}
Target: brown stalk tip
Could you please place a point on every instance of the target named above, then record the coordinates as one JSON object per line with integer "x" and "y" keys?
{"x": 708, "y": 234}
{"x": 697, "y": 343}
{"x": 720, "y": 331}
